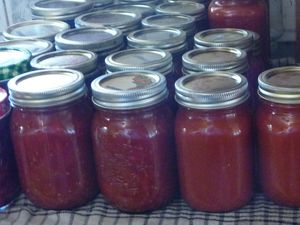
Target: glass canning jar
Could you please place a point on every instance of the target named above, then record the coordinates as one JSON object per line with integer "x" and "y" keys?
{"x": 9, "y": 181}
{"x": 133, "y": 140}
{"x": 236, "y": 38}
{"x": 103, "y": 41}
{"x": 124, "y": 20}
{"x": 143, "y": 9}
{"x": 50, "y": 129}
{"x": 183, "y": 22}
{"x": 168, "y": 39}
{"x": 278, "y": 131}
{"x": 215, "y": 59}
{"x": 35, "y": 29}
{"x": 250, "y": 15}
{"x": 194, "y": 9}
{"x": 214, "y": 141}
{"x": 63, "y": 10}
{"x": 145, "y": 59}
{"x": 80, "y": 60}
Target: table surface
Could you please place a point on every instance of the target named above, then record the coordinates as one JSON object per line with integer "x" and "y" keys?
{"x": 258, "y": 211}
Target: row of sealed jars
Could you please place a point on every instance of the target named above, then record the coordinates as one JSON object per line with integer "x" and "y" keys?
{"x": 136, "y": 152}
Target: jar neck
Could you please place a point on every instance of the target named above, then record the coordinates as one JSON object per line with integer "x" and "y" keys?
{"x": 265, "y": 104}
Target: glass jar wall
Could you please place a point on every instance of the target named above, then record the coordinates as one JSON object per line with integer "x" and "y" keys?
{"x": 50, "y": 128}
{"x": 133, "y": 140}
{"x": 214, "y": 141}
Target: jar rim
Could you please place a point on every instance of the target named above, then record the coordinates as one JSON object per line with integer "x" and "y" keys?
{"x": 111, "y": 93}
{"x": 280, "y": 85}
{"x": 211, "y": 90}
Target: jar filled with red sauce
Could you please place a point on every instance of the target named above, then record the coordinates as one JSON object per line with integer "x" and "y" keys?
{"x": 9, "y": 182}
{"x": 278, "y": 131}
{"x": 168, "y": 39}
{"x": 50, "y": 129}
{"x": 145, "y": 59}
{"x": 214, "y": 141}
{"x": 243, "y": 14}
{"x": 133, "y": 140}
{"x": 236, "y": 38}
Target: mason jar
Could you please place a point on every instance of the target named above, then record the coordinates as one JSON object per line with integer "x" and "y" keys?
{"x": 35, "y": 29}
{"x": 51, "y": 135}
{"x": 80, "y": 60}
{"x": 215, "y": 59}
{"x": 133, "y": 140}
{"x": 9, "y": 188}
{"x": 143, "y": 9}
{"x": 168, "y": 39}
{"x": 184, "y": 22}
{"x": 103, "y": 41}
{"x": 278, "y": 130}
{"x": 63, "y": 10}
{"x": 34, "y": 46}
{"x": 236, "y": 38}
{"x": 13, "y": 62}
{"x": 145, "y": 59}
{"x": 124, "y": 20}
{"x": 214, "y": 141}
{"x": 194, "y": 9}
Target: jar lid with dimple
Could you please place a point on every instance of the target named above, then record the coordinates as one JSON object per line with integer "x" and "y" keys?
{"x": 81, "y": 60}
{"x": 224, "y": 37}
{"x": 46, "y": 88}
{"x": 126, "y": 21}
{"x": 13, "y": 62}
{"x": 143, "y": 9}
{"x": 100, "y": 40}
{"x": 129, "y": 90}
{"x": 41, "y": 29}
{"x": 101, "y": 4}
{"x": 140, "y": 59}
{"x": 196, "y": 10}
{"x": 211, "y": 90}
{"x": 213, "y": 59}
{"x": 183, "y": 22}
{"x": 35, "y": 46}
{"x": 169, "y": 39}
{"x": 280, "y": 85}
{"x": 59, "y": 7}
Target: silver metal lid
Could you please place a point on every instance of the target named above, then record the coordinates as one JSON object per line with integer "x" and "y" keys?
{"x": 280, "y": 85}
{"x": 68, "y": 18}
{"x": 81, "y": 60}
{"x": 126, "y": 21}
{"x": 143, "y": 9}
{"x": 140, "y": 59}
{"x": 205, "y": 2}
{"x": 211, "y": 90}
{"x": 215, "y": 59}
{"x": 150, "y": 2}
{"x": 224, "y": 37}
{"x": 35, "y": 46}
{"x": 35, "y": 29}
{"x": 46, "y": 88}
{"x": 103, "y": 40}
{"x": 194, "y": 9}
{"x": 183, "y": 22}
{"x": 101, "y": 4}
{"x": 169, "y": 39}
{"x": 59, "y": 7}
{"x": 129, "y": 90}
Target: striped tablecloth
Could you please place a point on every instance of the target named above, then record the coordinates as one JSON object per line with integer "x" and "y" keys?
{"x": 259, "y": 211}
